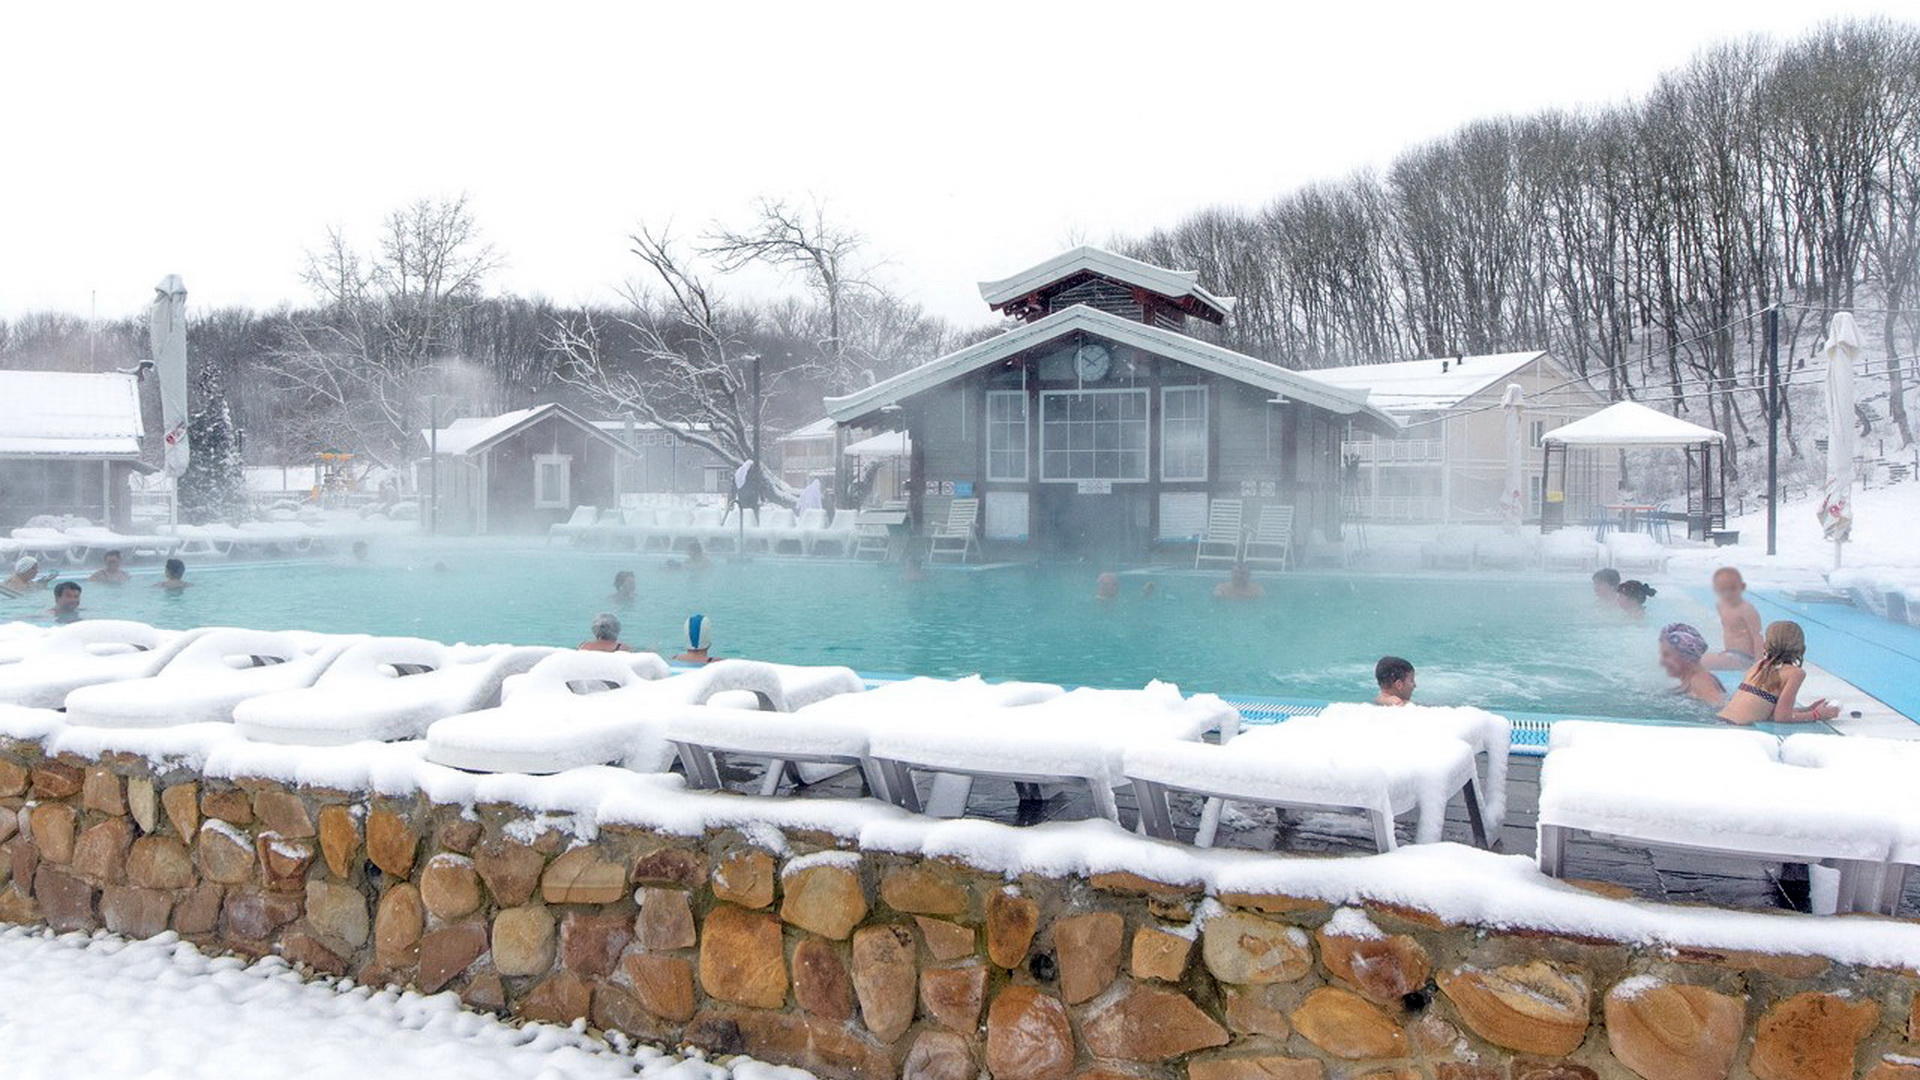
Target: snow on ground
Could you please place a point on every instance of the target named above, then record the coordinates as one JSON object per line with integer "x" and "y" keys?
{"x": 102, "y": 1006}
{"x": 1886, "y": 523}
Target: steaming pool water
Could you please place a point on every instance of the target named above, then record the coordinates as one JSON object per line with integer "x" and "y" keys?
{"x": 1524, "y": 645}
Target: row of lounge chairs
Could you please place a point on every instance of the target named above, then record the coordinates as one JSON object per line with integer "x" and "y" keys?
{"x": 78, "y": 543}
{"x": 1566, "y": 549}
{"x": 921, "y": 744}
{"x": 771, "y": 529}
{"x": 1846, "y": 804}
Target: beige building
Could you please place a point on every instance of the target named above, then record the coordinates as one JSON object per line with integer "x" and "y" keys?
{"x": 1449, "y": 460}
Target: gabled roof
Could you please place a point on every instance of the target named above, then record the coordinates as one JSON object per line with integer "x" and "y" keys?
{"x": 1629, "y": 424}
{"x": 472, "y": 435}
{"x": 1081, "y": 318}
{"x": 70, "y": 414}
{"x": 1431, "y": 385}
{"x": 818, "y": 429}
{"x": 1174, "y": 284}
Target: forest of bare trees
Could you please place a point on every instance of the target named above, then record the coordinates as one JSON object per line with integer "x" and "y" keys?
{"x": 1639, "y": 242}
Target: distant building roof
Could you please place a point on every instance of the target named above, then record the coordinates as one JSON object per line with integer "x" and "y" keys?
{"x": 70, "y": 414}
{"x": 818, "y": 429}
{"x": 471, "y": 435}
{"x": 1174, "y": 284}
{"x": 1431, "y": 385}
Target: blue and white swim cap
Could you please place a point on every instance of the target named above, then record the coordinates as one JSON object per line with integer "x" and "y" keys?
{"x": 699, "y": 632}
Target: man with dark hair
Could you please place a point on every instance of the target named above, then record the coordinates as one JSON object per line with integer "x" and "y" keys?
{"x": 1395, "y": 677}
{"x": 176, "y": 577}
{"x": 109, "y": 572}
{"x": 1606, "y": 587}
{"x": 66, "y": 602}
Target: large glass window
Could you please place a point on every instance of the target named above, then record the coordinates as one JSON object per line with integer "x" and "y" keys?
{"x": 1006, "y": 434}
{"x": 1183, "y": 433}
{"x": 1093, "y": 435}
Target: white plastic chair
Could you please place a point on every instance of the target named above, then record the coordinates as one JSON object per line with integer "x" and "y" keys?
{"x": 205, "y": 681}
{"x": 1224, "y": 536}
{"x": 576, "y": 526}
{"x": 1272, "y": 541}
{"x": 956, "y": 536}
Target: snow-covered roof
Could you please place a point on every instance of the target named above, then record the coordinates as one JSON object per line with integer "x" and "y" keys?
{"x": 1176, "y": 284}
{"x": 1630, "y": 423}
{"x": 471, "y": 435}
{"x": 885, "y": 444}
{"x": 1081, "y": 318}
{"x": 818, "y": 429}
{"x": 68, "y": 413}
{"x": 1405, "y": 387}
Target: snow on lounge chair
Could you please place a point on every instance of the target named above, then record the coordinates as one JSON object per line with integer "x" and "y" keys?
{"x": 384, "y": 689}
{"x": 831, "y": 732}
{"x": 47, "y": 543}
{"x": 90, "y": 540}
{"x": 1882, "y": 769}
{"x": 637, "y": 526}
{"x": 1635, "y": 551}
{"x": 1313, "y": 768}
{"x": 576, "y": 526}
{"x": 839, "y": 532}
{"x": 777, "y": 526}
{"x": 1569, "y": 549}
{"x": 205, "y": 681}
{"x": 86, "y": 653}
{"x": 1736, "y": 804}
{"x": 1451, "y": 549}
{"x": 1079, "y": 737}
{"x": 576, "y": 709}
{"x": 1489, "y": 736}
{"x": 667, "y": 524}
{"x": 202, "y": 541}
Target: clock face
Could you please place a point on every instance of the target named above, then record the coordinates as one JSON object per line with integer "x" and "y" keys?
{"x": 1092, "y": 362}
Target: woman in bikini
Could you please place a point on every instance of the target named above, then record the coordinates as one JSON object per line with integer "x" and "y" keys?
{"x": 1766, "y": 692}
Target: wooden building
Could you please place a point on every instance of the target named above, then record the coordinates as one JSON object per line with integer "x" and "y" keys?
{"x": 1099, "y": 426}
{"x": 518, "y": 472}
{"x": 70, "y": 443}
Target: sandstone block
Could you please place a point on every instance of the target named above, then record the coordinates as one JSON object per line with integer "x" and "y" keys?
{"x": 742, "y": 958}
{"x": 1087, "y": 948}
{"x": 397, "y": 924}
{"x": 510, "y": 869}
{"x": 1011, "y": 922}
{"x": 1251, "y": 1010}
{"x": 1809, "y": 1036}
{"x": 666, "y": 919}
{"x": 198, "y": 911}
{"x": 13, "y": 778}
{"x": 615, "y": 1008}
{"x": 523, "y": 940}
{"x": 1255, "y": 1067}
{"x": 923, "y": 890}
{"x": 159, "y": 862}
{"x": 230, "y": 805}
{"x": 953, "y": 997}
{"x": 56, "y": 780}
{"x": 744, "y": 876}
{"x": 1383, "y": 968}
{"x": 1348, "y": 1026}
{"x": 1150, "y": 1025}
{"x": 1250, "y": 950}
{"x": 303, "y": 948}
{"x": 449, "y": 951}
{"x": 939, "y": 1055}
{"x": 826, "y": 899}
{"x": 1535, "y": 1008}
{"x": 143, "y": 802}
{"x": 1028, "y": 1035}
{"x": 663, "y": 985}
{"x": 821, "y": 985}
{"x": 255, "y": 916}
{"x": 560, "y": 998}
{"x": 1159, "y": 955}
{"x": 182, "y": 804}
{"x": 17, "y": 907}
{"x": 945, "y": 940}
{"x": 284, "y": 813}
{"x": 102, "y": 791}
{"x": 223, "y": 853}
{"x": 339, "y": 838}
{"x": 339, "y": 914}
{"x": 883, "y": 978}
{"x": 671, "y": 866}
{"x": 486, "y": 991}
{"x": 459, "y": 835}
{"x": 581, "y": 876}
{"x": 283, "y": 862}
{"x": 53, "y": 826}
{"x": 1666, "y": 1032}
{"x": 591, "y": 942}
{"x": 1892, "y": 1070}
{"x": 449, "y": 886}
{"x": 101, "y": 851}
{"x": 391, "y": 842}
{"x": 134, "y": 911}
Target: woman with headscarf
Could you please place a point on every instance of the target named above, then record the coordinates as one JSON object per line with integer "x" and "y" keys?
{"x": 1681, "y": 647}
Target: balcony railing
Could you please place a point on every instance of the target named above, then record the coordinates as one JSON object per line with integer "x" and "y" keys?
{"x": 1395, "y": 451}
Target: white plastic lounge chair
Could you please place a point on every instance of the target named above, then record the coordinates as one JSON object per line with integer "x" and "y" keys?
{"x": 1272, "y": 541}
{"x": 384, "y": 689}
{"x": 1665, "y": 740}
{"x": 778, "y": 526}
{"x": 955, "y": 536}
{"x": 1080, "y": 737}
{"x": 1312, "y": 768}
{"x": 832, "y": 732}
{"x": 286, "y": 537}
{"x": 637, "y": 526}
{"x": 1739, "y": 806}
{"x": 86, "y": 653}
{"x": 1488, "y": 735}
{"x": 48, "y": 544}
{"x": 838, "y": 534}
{"x": 1503, "y": 551}
{"x": 576, "y": 526}
{"x": 1882, "y": 771}
{"x": 564, "y": 714}
{"x": 1450, "y": 549}
{"x": 667, "y": 524}
{"x": 1224, "y": 536}
{"x": 204, "y": 681}
{"x": 92, "y": 540}
{"x": 873, "y": 533}
{"x": 1569, "y": 549}
{"x": 605, "y": 529}
{"x": 1635, "y": 551}
{"x": 199, "y": 541}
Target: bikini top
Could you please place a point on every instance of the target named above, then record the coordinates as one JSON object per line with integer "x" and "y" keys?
{"x": 1766, "y": 696}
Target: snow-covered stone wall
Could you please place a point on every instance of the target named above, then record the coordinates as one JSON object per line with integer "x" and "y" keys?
{"x": 798, "y": 946}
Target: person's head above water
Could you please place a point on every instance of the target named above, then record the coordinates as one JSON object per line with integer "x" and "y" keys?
{"x": 1395, "y": 677}
{"x": 1606, "y": 583}
{"x": 1681, "y": 647}
{"x": 1635, "y": 594}
{"x": 111, "y": 560}
{"x": 360, "y": 551}
{"x": 1728, "y": 583}
{"x": 1786, "y": 643}
{"x": 606, "y": 627}
{"x": 66, "y": 596}
{"x": 1107, "y": 586}
{"x": 24, "y": 566}
{"x": 176, "y": 569}
{"x": 699, "y": 634}
{"x": 623, "y": 583}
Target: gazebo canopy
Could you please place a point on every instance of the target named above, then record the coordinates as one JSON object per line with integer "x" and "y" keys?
{"x": 1629, "y": 424}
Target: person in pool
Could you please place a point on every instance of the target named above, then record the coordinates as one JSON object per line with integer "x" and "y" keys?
{"x": 25, "y": 578}
{"x": 1766, "y": 692}
{"x": 1681, "y": 650}
{"x": 699, "y": 641}
{"x": 1239, "y": 585}
{"x": 696, "y": 558}
{"x": 1107, "y": 587}
{"x": 625, "y": 588}
{"x": 1606, "y": 587}
{"x": 175, "y": 579}
{"x": 1634, "y": 596}
{"x": 66, "y": 602}
{"x": 359, "y": 550}
{"x": 606, "y": 635}
{"x": 1395, "y": 679}
{"x": 109, "y": 572}
{"x": 1740, "y": 632}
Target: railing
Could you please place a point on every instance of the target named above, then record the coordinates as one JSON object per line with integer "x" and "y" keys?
{"x": 1395, "y": 451}
{"x": 1394, "y": 507}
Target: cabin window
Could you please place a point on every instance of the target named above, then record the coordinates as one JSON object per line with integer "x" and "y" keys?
{"x": 1183, "y": 433}
{"x": 1006, "y": 435}
{"x": 1093, "y": 435}
{"x": 552, "y": 482}
{"x": 1536, "y": 431}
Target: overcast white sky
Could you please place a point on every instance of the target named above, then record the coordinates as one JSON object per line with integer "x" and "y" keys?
{"x": 967, "y": 139}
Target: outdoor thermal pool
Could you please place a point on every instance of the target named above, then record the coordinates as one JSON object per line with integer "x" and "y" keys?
{"x": 1518, "y": 644}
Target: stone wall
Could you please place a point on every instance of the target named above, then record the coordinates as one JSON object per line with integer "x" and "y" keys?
{"x": 874, "y": 965}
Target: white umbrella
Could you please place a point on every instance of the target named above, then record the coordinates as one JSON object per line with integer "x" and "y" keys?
{"x": 1513, "y": 497}
{"x": 167, "y": 336}
{"x": 1840, "y": 352}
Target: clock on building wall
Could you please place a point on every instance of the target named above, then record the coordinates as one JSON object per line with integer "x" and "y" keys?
{"x": 1092, "y": 362}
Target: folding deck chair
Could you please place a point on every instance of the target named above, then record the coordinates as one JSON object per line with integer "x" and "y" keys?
{"x": 958, "y": 529}
{"x": 1224, "y": 530}
{"x": 1272, "y": 541}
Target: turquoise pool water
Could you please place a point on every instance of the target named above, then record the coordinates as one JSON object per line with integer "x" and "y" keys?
{"x": 1526, "y": 645}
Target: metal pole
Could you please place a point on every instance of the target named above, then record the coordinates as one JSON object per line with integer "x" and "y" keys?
{"x": 1772, "y": 327}
{"x": 433, "y": 464}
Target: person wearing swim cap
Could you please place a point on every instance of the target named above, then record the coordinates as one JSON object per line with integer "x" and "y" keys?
{"x": 1681, "y": 648}
{"x": 24, "y": 579}
{"x": 699, "y": 641}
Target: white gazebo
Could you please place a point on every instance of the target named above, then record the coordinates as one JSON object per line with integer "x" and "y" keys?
{"x": 1629, "y": 425}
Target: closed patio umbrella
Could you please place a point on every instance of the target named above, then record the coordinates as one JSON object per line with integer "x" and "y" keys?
{"x": 1841, "y": 351}
{"x": 1513, "y": 499}
{"x": 167, "y": 336}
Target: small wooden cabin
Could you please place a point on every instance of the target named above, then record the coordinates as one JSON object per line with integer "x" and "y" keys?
{"x": 518, "y": 472}
{"x": 70, "y": 443}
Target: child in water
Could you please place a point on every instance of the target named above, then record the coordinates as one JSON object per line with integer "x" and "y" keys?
{"x": 1766, "y": 693}
{"x": 1634, "y": 596}
{"x": 1740, "y": 632}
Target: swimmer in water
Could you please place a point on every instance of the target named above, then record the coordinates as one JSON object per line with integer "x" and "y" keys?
{"x": 176, "y": 577}
{"x": 1766, "y": 693}
{"x": 1634, "y": 596}
{"x": 25, "y": 577}
{"x": 66, "y": 602}
{"x": 625, "y": 588}
{"x": 1395, "y": 678}
{"x": 1606, "y": 587}
{"x": 1106, "y": 587}
{"x": 109, "y": 572}
{"x": 1239, "y": 585}
{"x": 699, "y": 641}
{"x": 1681, "y": 650}
{"x": 606, "y": 635}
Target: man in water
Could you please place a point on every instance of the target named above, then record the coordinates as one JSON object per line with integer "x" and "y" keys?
{"x": 1606, "y": 587}
{"x": 359, "y": 551}
{"x": 66, "y": 602}
{"x": 606, "y": 635}
{"x": 1106, "y": 587}
{"x": 625, "y": 589}
{"x": 176, "y": 577}
{"x": 1239, "y": 585}
{"x": 1681, "y": 649}
{"x": 699, "y": 642}
{"x": 109, "y": 572}
{"x": 1395, "y": 677}
{"x": 25, "y": 579}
